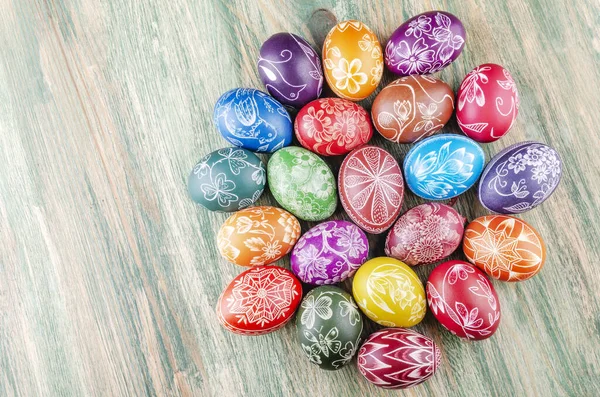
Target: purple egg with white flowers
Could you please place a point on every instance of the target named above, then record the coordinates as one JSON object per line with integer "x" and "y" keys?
{"x": 329, "y": 253}
{"x": 425, "y": 44}
{"x": 290, "y": 69}
{"x": 520, "y": 178}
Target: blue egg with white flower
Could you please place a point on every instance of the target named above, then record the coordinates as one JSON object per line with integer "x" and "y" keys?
{"x": 443, "y": 166}
{"x": 253, "y": 120}
{"x": 227, "y": 180}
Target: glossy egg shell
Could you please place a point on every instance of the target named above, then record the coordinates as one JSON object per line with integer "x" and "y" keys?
{"x": 398, "y": 358}
{"x": 260, "y": 300}
{"x": 389, "y": 293}
{"x": 290, "y": 69}
{"x": 227, "y": 180}
{"x": 332, "y": 126}
{"x": 329, "y": 252}
{"x": 352, "y": 60}
{"x": 329, "y": 326}
{"x": 412, "y": 108}
{"x": 302, "y": 183}
{"x": 504, "y": 247}
{"x": 443, "y": 166}
{"x": 425, "y": 44}
{"x": 258, "y": 236}
{"x": 251, "y": 119}
{"x": 425, "y": 234}
{"x": 520, "y": 178}
{"x": 371, "y": 188}
{"x": 463, "y": 300}
{"x": 487, "y": 103}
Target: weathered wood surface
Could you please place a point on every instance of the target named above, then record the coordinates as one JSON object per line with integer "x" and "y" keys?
{"x": 109, "y": 273}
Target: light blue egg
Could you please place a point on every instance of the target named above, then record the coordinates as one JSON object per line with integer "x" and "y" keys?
{"x": 443, "y": 166}
{"x": 253, "y": 120}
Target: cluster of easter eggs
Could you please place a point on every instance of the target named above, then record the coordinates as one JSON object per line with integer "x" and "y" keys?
{"x": 370, "y": 186}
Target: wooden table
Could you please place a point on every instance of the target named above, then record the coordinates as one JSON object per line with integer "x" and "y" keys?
{"x": 109, "y": 273}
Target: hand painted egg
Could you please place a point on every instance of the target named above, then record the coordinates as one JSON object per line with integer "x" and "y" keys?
{"x": 258, "y": 236}
{"x": 463, "y": 300}
{"x": 253, "y": 120}
{"x": 412, "y": 108}
{"x": 332, "y": 126}
{"x": 520, "y": 178}
{"x": 227, "y": 180}
{"x": 389, "y": 293}
{"x": 504, "y": 247}
{"x": 398, "y": 358}
{"x": 329, "y": 253}
{"x": 443, "y": 166}
{"x": 329, "y": 326}
{"x": 487, "y": 103}
{"x": 302, "y": 183}
{"x": 425, "y": 234}
{"x": 425, "y": 44}
{"x": 371, "y": 188}
{"x": 260, "y": 300}
{"x": 352, "y": 60}
{"x": 290, "y": 69}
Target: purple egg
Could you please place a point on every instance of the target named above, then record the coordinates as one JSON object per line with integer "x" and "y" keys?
{"x": 520, "y": 178}
{"x": 425, "y": 44}
{"x": 329, "y": 252}
{"x": 290, "y": 69}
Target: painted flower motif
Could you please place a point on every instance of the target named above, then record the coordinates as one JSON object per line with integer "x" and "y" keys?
{"x": 259, "y": 176}
{"x": 402, "y": 110}
{"x": 376, "y": 72}
{"x": 316, "y": 124}
{"x": 418, "y": 309}
{"x": 470, "y": 88}
{"x": 458, "y": 272}
{"x": 320, "y": 307}
{"x": 418, "y": 26}
{"x": 411, "y": 233}
{"x": 220, "y": 190}
{"x": 427, "y": 116}
{"x": 435, "y": 227}
{"x": 414, "y": 60}
{"x": 332, "y": 106}
{"x": 202, "y": 168}
{"x": 540, "y": 173}
{"x": 366, "y": 43}
{"x": 435, "y": 300}
{"x": 350, "y": 238}
{"x": 427, "y": 250}
{"x": 311, "y": 264}
{"x": 348, "y": 75}
{"x": 533, "y": 156}
{"x": 269, "y": 249}
{"x": 349, "y": 309}
{"x": 404, "y": 293}
{"x": 517, "y": 163}
{"x": 303, "y": 158}
{"x": 345, "y": 127}
{"x": 443, "y": 34}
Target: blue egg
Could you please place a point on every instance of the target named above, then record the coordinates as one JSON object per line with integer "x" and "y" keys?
{"x": 443, "y": 166}
{"x": 253, "y": 120}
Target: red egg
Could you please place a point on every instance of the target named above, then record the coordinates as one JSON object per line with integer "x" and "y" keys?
{"x": 260, "y": 300}
{"x": 371, "y": 188}
{"x": 332, "y": 126}
{"x": 463, "y": 300}
{"x": 398, "y": 358}
{"x": 487, "y": 103}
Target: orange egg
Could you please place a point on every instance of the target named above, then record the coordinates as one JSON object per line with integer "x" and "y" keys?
{"x": 352, "y": 60}
{"x": 504, "y": 247}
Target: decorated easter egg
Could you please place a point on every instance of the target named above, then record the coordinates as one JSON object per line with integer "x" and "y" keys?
{"x": 443, "y": 166}
{"x": 412, "y": 108}
{"x": 290, "y": 69}
{"x": 253, "y": 120}
{"x": 371, "y": 188}
{"x": 425, "y": 44}
{"x": 329, "y": 253}
{"x": 398, "y": 358}
{"x": 260, "y": 300}
{"x": 332, "y": 126}
{"x": 463, "y": 300}
{"x": 487, "y": 103}
{"x": 520, "y": 178}
{"x": 329, "y": 326}
{"x": 425, "y": 234}
{"x": 504, "y": 247}
{"x": 389, "y": 293}
{"x": 258, "y": 236}
{"x": 302, "y": 183}
{"x": 227, "y": 180}
{"x": 352, "y": 60}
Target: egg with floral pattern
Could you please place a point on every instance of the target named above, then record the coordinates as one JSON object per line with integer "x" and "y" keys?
{"x": 352, "y": 60}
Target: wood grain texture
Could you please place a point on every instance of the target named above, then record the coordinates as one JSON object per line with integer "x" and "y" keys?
{"x": 109, "y": 274}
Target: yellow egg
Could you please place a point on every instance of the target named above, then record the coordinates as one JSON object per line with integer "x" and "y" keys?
{"x": 389, "y": 293}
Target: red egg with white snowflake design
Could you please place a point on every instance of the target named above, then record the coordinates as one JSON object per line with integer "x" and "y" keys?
{"x": 463, "y": 300}
{"x": 371, "y": 188}
{"x": 425, "y": 234}
{"x": 332, "y": 126}
{"x": 487, "y": 103}
{"x": 259, "y": 300}
{"x": 398, "y": 358}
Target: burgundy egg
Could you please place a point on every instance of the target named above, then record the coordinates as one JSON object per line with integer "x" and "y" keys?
{"x": 290, "y": 69}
